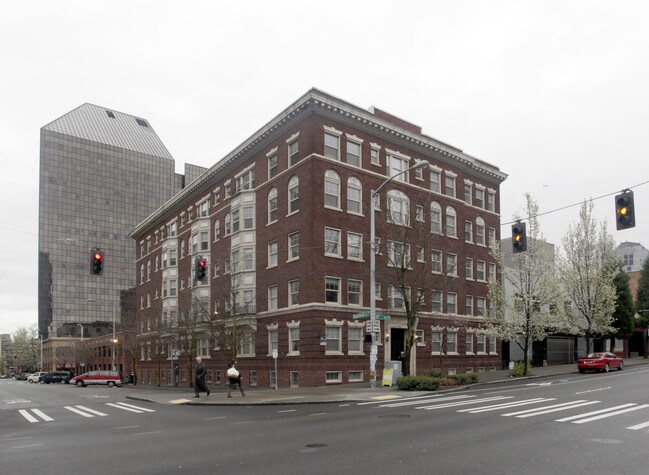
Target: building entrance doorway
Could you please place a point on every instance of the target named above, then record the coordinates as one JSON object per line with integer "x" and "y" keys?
{"x": 397, "y": 343}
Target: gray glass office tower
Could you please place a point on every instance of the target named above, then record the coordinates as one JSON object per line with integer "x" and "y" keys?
{"x": 101, "y": 173}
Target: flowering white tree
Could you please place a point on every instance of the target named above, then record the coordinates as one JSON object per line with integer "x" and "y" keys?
{"x": 525, "y": 301}
{"x": 588, "y": 271}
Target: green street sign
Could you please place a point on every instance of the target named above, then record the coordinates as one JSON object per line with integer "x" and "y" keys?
{"x": 383, "y": 317}
{"x": 356, "y": 316}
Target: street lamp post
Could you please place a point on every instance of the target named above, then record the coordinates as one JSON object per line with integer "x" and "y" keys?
{"x": 80, "y": 325}
{"x": 41, "y": 365}
{"x": 114, "y": 339}
{"x": 373, "y": 195}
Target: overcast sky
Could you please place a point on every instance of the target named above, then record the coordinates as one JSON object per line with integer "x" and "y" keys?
{"x": 554, "y": 93}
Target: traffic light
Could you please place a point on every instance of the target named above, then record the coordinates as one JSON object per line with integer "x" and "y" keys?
{"x": 96, "y": 261}
{"x": 200, "y": 268}
{"x": 624, "y": 212}
{"x": 519, "y": 237}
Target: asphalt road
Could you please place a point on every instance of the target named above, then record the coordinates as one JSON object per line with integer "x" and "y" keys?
{"x": 594, "y": 423}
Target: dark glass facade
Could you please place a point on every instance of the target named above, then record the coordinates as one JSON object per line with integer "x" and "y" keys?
{"x": 101, "y": 173}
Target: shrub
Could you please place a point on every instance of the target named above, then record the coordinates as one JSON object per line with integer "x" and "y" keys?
{"x": 465, "y": 378}
{"x": 418, "y": 383}
{"x": 519, "y": 368}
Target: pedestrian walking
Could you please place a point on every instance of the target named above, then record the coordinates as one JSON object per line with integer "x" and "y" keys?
{"x": 234, "y": 378}
{"x": 199, "y": 382}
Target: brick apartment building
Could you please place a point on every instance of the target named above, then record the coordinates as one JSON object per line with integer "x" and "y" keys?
{"x": 283, "y": 224}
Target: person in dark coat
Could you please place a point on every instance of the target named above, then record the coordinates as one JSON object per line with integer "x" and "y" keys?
{"x": 199, "y": 383}
{"x": 234, "y": 378}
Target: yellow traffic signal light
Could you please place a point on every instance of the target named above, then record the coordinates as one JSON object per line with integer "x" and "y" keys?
{"x": 519, "y": 237}
{"x": 624, "y": 212}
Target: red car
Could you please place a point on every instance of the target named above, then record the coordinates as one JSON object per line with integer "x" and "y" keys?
{"x": 600, "y": 361}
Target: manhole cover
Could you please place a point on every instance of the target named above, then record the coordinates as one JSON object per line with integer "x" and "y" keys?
{"x": 394, "y": 416}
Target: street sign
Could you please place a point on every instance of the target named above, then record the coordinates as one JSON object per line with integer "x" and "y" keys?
{"x": 356, "y": 316}
{"x": 369, "y": 328}
{"x": 275, "y": 353}
{"x": 383, "y": 317}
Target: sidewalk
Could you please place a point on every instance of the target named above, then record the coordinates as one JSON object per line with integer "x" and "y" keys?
{"x": 340, "y": 393}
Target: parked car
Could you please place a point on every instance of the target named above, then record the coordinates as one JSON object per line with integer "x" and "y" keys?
{"x": 56, "y": 377}
{"x": 36, "y": 377}
{"x": 22, "y": 376}
{"x": 600, "y": 361}
{"x": 110, "y": 378}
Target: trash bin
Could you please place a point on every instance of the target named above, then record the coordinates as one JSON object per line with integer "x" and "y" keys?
{"x": 131, "y": 378}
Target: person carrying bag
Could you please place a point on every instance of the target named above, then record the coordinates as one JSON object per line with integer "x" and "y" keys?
{"x": 234, "y": 378}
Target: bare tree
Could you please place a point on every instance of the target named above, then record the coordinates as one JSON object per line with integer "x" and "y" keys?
{"x": 588, "y": 270}
{"x": 233, "y": 326}
{"x": 525, "y": 302}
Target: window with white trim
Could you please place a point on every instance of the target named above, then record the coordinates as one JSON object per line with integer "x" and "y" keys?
{"x": 272, "y": 206}
{"x": 332, "y": 242}
{"x": 469, "y": 268}
{"x": 333, "y": 336}
{"x": 436, "y": 301}
{"x": 479, "y": 197}
{"x": 449, "y": 185}
{"x": 272, "y": 253}
{"x": 228, "y": 224}
{"x": 480, "y": 337}
{"x": 332, "y": 145}
{"x": 436, "y": 181}
{"x": 293, "y": 246}
{"x": 293, "y": 293}
{"x": 273, "y": 339}
{"x": 451, "y": 342}
{"x": 468, "y": 231}
{"x": 451, "y": 303}
{"x": 353, "y": 153}
{"x": 272, "y": 297}
{"x": 451, "y": 222}
{"x": 491, "y": 201}
{"x": 469, "y": 342}
{"x": 332, "y": 190}
{"x": 492, "y": 235}
{"x": 203, "y": 347}
{"x": 399, "y": 206}
{"x": 354, "y": 246}
{"x": 492, "y": 345}
{"x": 293, "y": 338}
{"x": 247, "y": 347}
{"x": 355, "y": 338}
{"x": 396, "y": 167}
{"x": 272, "y": 166}
{"x": 436, "y": 261}
{"x": 293, "y": 152}
{"x": 293, "y": 195}
{"x": 451, "y": 264}
{"x": 217, "y": 231}
{"x": 248, "y": 217}
{"x": 468, "y": 306}
{"x": 480, "y": 232}
{"x": 480, "y": 271}
{"x": 332, "y": 290}
{"x": 374, "y": 156}
{"x": 354, "y": 292}
{"x": 480, "y": 304}
{"x": 492, "y": 271}
{"x": 436, "y": 341}
{"x": 396, "y": 298}
{"x": 354, "y": 195}
{"x": 435, "y": 218}
{"x": 468, "y": 192}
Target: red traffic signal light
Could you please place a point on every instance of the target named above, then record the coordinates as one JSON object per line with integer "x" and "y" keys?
{"x": 96, "y": 261}
{"x": 200, "y": 268}
{"x": 519, "y": 237}
{"x": 624, "y": 211}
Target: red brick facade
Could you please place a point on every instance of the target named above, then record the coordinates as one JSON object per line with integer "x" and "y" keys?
{"x": 306, "y": 123}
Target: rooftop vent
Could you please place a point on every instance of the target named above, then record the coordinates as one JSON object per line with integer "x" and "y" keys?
{"x": 142, "y": 122}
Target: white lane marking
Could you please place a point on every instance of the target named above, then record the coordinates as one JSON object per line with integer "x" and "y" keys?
{"x": 78, "y": 411}
{"x": 127, "y": 427}
{"x": 27, "y": 415}
{"x": 593, "y": 390}
{"x": 135, "y": 407}
{"x": 287, "y": 410}
{"x": 318, "y": 414}
{"x": 27, "y": 446}
{"x": 601, "y": 411}
{"x": 42, "y": 415}
{"x": 414, "y": 398}
{"x": 557, "y": 409}
{"x": 464, "y": 403}
{"x": 414, "y": 402}
{"x": 610, "y": 414}
{"x": 213, "y": 418}
{"x": 91, "y": 411}
{"x": 506, "y": 405}
{"x": 343, "y": 405}
{"x": 543, "y": 408}
{"x": 148, "y": 433}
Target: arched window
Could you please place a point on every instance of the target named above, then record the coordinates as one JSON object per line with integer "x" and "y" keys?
{"x": 451, "y": 222}
{"x": 399, "y": 206}
{"x": 480, "y": 231}
{"x": 354, "y": 194}
{"x": 293, "y": 195}
{"x": 272, "y": 205}
{"x": 435, "y": 218}
{"x": 217, "y": 230}
{"x": 332, "y": 189}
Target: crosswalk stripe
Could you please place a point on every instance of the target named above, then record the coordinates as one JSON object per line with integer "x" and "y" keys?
{"x": 78, "y": 411}
{"x": 506, "y": 405}
{"x": 123, "y": 408}
{"x": 92, "y": 411}
{"x": 601, "y": 411}
{"x": 557, "y": 409}
{"x": 135, "y": 407}
{"x": 27, "y": 415}
{"x": 639, "y": 426}
{"x": 42, "y": 415}
{"x": 536, "y": 409}
{"x": 609, "y": 414}
{"x": 464, "y": 403}
{"x": 413, "y": 398}
{"x": 413, "y": 402}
